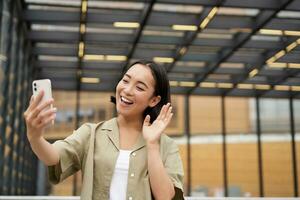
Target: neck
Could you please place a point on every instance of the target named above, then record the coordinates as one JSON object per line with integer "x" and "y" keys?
{"x": 133, "y": 123}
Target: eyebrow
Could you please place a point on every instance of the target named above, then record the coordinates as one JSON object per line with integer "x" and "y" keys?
{"x": 138, "y": 81}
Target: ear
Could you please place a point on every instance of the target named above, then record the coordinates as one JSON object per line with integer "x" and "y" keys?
{"x": 154, "y": 101}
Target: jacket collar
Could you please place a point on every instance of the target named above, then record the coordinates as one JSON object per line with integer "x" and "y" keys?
{"x": 111, "y": 128}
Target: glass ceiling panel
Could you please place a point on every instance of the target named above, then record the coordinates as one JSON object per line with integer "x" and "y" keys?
{"x": 57, "y": 58}
{"x": 289, "y": 14}
{"x": 42, "y": 27}
{"x": 177, "y": 8}
{"x": 232, "y": 65}
{"x": 190, "y": 64}
{"x": 53, "y": 8}
{"x": 55, "y": 2}
{"x": 237, "y": 11}
{"x": 116, "y": 5}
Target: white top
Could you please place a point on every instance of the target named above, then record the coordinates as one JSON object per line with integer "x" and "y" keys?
{"x": 118, "y": 186}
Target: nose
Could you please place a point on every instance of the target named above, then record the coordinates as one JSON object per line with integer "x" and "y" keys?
{"x": 128, "y": 89}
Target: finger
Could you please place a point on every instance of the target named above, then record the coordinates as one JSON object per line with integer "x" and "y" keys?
{"x": 28, "y": 109}
{"x": 44, "y": 116}
{"x": 147, "y": 120}
{"x": 159, "y": 117}
{"x": 164, "y": 112}
{"x": 36, "y": 100}
{"x": 31, "y": 99}
{"x": 35, "y": 112}
{"x": 47, "y": 121}
{"x": 169, "y": 112}
{"x": 168, "y": 120}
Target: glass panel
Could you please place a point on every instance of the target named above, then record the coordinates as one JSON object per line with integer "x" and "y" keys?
{"x": 241, "y": 141}
{"x": 296, "y": 104}
{"x": 206, "y": 148}
{"x": 205, "y": 115}
{"x": 176, "y": 126}
{"x": 276, "y": 148}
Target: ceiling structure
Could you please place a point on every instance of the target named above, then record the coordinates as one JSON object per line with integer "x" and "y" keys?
{"x": 208, "y": 47}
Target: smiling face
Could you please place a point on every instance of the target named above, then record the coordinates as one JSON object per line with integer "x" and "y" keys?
{"x": 136, "y": 91}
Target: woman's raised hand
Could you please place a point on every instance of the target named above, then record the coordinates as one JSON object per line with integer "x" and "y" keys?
{"x": 38, "y": 117}
{"x": 152, "y": 132}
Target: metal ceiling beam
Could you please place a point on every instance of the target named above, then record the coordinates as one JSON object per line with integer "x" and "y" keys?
{"x": 266, "y": 4}
{"x": 261, "y": 20}
{"x": 258, "y": 65}
{"x": 144, "y": 19}
{"x": 188, "y": 39}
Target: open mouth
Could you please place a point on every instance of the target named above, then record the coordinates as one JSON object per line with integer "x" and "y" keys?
{"x": 126, "y": 101}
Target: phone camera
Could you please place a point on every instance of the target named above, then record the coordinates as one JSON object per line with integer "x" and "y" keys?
{"x": 34, "y": 84}
{"x": 35, "y": 89}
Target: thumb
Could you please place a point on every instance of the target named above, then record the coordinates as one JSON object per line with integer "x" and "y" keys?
{"x": 147, "y": 120}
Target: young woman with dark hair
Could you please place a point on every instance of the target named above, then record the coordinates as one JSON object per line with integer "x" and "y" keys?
{"x": 127, "y": 157}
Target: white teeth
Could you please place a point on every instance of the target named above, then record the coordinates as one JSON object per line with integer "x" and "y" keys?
{"x": 126, "y": 100}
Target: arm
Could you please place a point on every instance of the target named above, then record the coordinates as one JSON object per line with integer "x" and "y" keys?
{"x": 37, "y": 119}
{"x": 161, "y": 184}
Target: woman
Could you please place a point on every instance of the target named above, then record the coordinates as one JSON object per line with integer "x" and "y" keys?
{"x": 127, "y": 157}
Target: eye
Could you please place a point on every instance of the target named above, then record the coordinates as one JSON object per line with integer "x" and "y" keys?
{"x": 140, "y": 88}
{"x": 125, "y": 81}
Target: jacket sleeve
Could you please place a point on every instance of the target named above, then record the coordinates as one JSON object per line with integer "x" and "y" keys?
{"x": 173, "y": 163}
{"x": 72, "y": 151}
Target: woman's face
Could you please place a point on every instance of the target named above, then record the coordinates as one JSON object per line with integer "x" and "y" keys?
{"x": 135, "y": 92}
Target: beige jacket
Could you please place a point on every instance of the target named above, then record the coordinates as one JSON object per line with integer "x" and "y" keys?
{"x": 94, "y": 149}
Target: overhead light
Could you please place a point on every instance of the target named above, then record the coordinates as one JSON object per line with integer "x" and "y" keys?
{"x": 93, "y": 57}
{"x": 245, "y": 86}
{"x": 225, "y": 85}
{"x": 213, "y": 12}
{"x": 183, "y": 50}
{"x": 115, "y": 58}
{"x": 294, "y": 65}
{"x": 295, "y": 88}
{"x": 270, "y": 32}
{"x": 207, "y": 85}
{"x": 82, "y": 28}
{"x": 184, "y": 27}
{"x": 271, "y": 60}
{"x": 291, "y": 46}
{"x": 84, "y": 6}
{"x": 279, "y": 54}
{"x": 204, "y": 23}
{"x": 262, "y": 87}
{"x": 126, "y": 24}
{"x": 298, "y": 41}
{"x": 163, "y": 59}
{"x": 173, "y": 83}
{"x": 253, "y": 73}
{"x": 81, "y": 49}
{"x": 210, "y": 15}
{"x": 278, "y": 65}
{"x": 292, "y": 33}
{"x": 282, "y": 87}
{"x": 187, "y": 84}
{"x": 90, "y": 80}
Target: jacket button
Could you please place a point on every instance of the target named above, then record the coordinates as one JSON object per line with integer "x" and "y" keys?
{"x": 130, "y": 198}
{"x": 132, "y": 174}
{"x": 133, "y": 154}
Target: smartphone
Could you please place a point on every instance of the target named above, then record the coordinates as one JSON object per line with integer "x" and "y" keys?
{"x": 45, "y": 85}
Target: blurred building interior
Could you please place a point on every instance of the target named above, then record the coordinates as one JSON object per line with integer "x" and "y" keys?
{"x": 234, "y": 70}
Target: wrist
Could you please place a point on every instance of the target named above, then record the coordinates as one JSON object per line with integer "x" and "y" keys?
{"x": 33, "y": 139}
{"x": 154, "y": 145}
